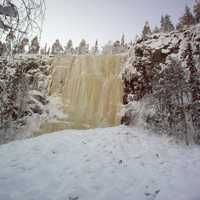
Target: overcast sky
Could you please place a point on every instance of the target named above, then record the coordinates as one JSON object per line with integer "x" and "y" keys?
{"x": 104, "y": 19}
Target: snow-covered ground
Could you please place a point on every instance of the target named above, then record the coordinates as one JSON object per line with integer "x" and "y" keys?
{"x": 102, "y": 164}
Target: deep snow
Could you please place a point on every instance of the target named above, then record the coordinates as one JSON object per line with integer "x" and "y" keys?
{"x": 102, "y": 164}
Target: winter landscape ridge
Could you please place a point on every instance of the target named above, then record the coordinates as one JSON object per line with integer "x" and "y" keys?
{"x": 121, "y": 122}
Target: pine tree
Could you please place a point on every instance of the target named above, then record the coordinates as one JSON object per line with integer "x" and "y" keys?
{"x": 20, "y": 48}
{"x": 82, "y": 43}
{"x": 96, "y": 47}
{"x": 43, "y": 51}
{"x": 69, "y": 47}
{"x": 49, "y": 50}
{"x": 194, "y": 82}
{"x": 156, "y": 30}
{"x": 146, "y": 30}
{"x": 170, "y": 89}
{"x": 116, "y": 47}
{"x": 186, "y": 20}
{"x": 107, "y": 48}
{"x": 162, "y": 24}
{"x": 57, "y": 47}
{"x": 83, "y": 47}
{"x": 197, "y": 11}
{"x": 69, "y": 44}
{"x": 123, "y": 40}
{"x": 168, "y": 24}
{"x": 35, "y": 46}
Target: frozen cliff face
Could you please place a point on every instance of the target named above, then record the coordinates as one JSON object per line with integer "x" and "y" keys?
{"x": 23, "y": 93}
{"x": 162, "y": 77}
{"x": 90, "y": 88}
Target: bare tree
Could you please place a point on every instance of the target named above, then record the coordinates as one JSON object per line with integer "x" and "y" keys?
{"x": 20, "y": 19}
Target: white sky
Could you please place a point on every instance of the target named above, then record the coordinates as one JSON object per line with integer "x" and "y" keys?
{"x": 104, "y": 19}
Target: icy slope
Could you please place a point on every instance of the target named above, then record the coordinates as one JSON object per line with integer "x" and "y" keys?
{"x": 101, "y": 164}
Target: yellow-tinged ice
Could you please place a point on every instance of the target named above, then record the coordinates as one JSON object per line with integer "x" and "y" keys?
{"x": 90, "y": 88}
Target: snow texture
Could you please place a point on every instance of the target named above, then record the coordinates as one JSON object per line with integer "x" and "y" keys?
{"x": 113, "y": 163}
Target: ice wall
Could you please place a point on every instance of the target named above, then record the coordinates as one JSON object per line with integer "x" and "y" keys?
{"x": 90, "y": 88}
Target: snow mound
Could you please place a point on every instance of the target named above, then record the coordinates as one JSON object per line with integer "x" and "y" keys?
{"x": 112, "y": 163}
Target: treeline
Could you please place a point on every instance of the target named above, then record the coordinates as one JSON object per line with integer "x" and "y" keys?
{"x": 33, "y": 48}
{"x": 119, "y": 46}
{"x": 57, "y": 48}
{"x": 188, "y": 19}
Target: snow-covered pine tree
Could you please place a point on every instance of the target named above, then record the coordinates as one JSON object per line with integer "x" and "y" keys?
{"x": 2, "y": 48}
{"x": 136, "y": 39}
{"x": 69, "y": 47}
{"x": 186, "y": 20}
{"x": 156, "y": 30}
{"x": 116, "y": 47}
{"x": 57, "y": 48}
{"x": 49, "y": 51}
{"x": 168, "y": 26}
{"x": 170, "y": 90}
{"x": 130, "y": 44}
{"x": 22, "y": 92}
{"x": 162, "y": 24}
{"x": 95, "y": 48}
{"x": 43, "y": 51}
{"x": 197, "y": 11}
{"x": 20, "y": 48}
{"x": 35, "y": 46}
{"x": 194, "y": 82}
{"x": 123, "y": 40}
{"x": 107, "y": 48}
{"x": 146, "y": 30}
{"x": 83, "y": 48}
{"x": 9, "y": 42}
{"x": 45, "y": 48}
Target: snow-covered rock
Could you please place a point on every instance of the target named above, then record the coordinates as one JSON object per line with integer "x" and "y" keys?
{"x": 164, "y": 70}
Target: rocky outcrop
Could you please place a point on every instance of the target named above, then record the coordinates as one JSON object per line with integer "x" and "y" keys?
{"x": 164, "y": 69}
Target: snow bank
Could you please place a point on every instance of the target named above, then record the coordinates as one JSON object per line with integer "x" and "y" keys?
{"x": 112, "y": 163}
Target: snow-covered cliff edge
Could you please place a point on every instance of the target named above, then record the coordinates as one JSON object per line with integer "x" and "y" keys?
{"x": 162, "y": 83}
